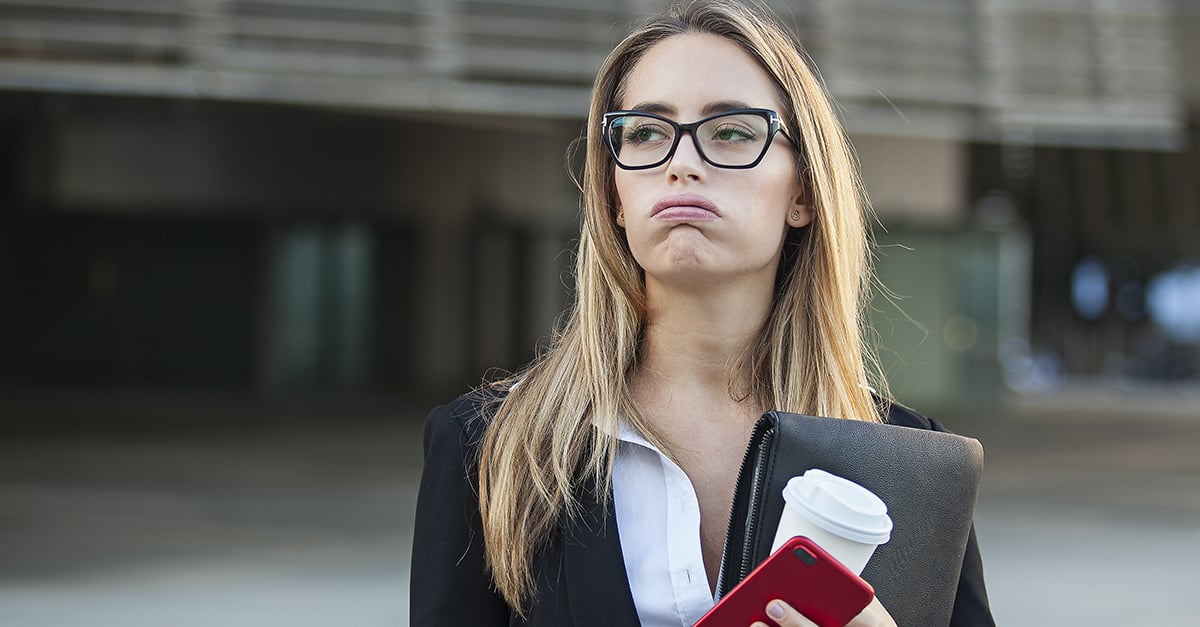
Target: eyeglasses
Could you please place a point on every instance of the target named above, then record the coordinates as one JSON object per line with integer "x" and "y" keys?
{"x": 735, "y": 139}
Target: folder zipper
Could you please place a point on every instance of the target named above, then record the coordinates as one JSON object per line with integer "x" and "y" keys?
{"x": 753, "y": 470}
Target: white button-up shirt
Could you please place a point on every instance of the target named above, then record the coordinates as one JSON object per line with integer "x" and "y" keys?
{"x": 658, "y": 519}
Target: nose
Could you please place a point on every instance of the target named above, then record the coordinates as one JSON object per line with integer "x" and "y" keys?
{"x": 686, "y": 163}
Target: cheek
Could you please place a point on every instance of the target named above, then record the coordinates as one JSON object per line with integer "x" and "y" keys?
{"x": 620, "y": 188}
{"x": 778, "y": 194}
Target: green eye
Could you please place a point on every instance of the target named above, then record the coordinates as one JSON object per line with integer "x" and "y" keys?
{"x": 643, "y": 134}
{"x": 731, "y": 133}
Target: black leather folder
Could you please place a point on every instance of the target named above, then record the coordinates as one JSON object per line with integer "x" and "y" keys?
{"x": 928, "y": 479}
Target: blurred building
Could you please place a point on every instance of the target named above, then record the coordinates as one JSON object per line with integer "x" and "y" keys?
{"x": 325, "y": 196}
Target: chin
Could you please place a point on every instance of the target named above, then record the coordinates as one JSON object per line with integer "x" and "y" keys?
{"x": 688, "y": 274}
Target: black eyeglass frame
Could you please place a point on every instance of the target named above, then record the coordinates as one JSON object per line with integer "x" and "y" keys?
{"x": 774, "y": 125}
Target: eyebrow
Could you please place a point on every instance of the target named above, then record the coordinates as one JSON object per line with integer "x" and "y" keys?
{"x": 662, "y": 108}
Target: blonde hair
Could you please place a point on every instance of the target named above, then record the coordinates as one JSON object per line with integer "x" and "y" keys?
{"x": 555, "y": 427}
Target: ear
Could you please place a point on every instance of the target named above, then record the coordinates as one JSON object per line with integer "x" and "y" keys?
{"x": 620, "y": 216}
{"x": 800, "y": 214}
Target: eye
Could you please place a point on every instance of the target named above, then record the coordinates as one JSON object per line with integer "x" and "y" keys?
{"x": 644, "y": 133}
{"x": 732, "y": 133}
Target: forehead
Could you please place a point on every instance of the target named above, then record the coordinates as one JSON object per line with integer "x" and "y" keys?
{"x": 686, "y": 72}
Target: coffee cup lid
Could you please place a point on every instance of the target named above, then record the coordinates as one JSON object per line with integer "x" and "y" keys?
{"x": 840, "y": 506}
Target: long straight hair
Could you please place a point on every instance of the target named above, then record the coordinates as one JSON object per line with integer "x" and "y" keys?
{"x": 554, "y": 426}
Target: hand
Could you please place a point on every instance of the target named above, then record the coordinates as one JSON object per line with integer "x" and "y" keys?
{"x": 872, "y": 616}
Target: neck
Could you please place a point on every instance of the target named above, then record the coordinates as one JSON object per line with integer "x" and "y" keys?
{"x": 693, "y": 337}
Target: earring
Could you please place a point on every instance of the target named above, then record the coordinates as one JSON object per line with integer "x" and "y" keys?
{"x": 795, "y": 216}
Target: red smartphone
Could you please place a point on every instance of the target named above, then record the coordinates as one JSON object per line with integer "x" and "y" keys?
{"x": 804, "y": 576}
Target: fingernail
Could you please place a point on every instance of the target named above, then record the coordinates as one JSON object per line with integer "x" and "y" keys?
{"x": 775, "y": 610}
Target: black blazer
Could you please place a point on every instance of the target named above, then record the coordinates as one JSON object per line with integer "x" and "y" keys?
{"x": 580, "y": 577}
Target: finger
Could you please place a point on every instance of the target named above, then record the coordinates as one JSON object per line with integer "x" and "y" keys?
{"x": 785, "y": 616}
{"x": 873, "y": 615}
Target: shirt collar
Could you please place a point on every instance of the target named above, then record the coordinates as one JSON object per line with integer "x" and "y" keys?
{"x": 626, "y": 433}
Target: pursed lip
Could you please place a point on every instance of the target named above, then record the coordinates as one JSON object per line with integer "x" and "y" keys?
{"x": 684, "y": 201}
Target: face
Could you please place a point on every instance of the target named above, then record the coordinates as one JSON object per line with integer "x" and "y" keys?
{"x": 690, "y": 222}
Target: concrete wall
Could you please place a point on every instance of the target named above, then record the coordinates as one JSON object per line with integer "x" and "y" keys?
{"x": 482, "y": 213}
{"x": 1187, "y": 38}
{"x": 920, "y": 180}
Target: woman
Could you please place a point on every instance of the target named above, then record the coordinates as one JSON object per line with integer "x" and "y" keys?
{"x": 722, "y": 269}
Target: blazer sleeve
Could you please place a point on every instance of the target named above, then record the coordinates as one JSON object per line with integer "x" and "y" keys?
{"x": 449, "y": 579}
{"x": 971, "y": 608}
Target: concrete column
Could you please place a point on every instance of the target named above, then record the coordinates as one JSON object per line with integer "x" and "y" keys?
{"x": 497, "y": 293}
{"x": 445, "y": 294}
{"x": 548, "y": 268}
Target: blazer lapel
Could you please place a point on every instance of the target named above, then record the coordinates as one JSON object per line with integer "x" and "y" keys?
{"x": 597, "y": 586}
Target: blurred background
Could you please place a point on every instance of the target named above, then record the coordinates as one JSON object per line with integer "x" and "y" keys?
{"x": 245, "y": 245}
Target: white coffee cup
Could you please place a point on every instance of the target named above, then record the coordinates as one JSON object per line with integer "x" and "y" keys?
{"x": 841, "y": 516}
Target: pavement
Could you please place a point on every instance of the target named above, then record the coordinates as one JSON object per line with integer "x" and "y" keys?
{"x": 1090, "y": 514}
{"x": 1085, "y": 517}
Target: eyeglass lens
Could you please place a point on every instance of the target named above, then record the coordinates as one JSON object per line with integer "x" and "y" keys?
{"x": 733, "y": 140}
